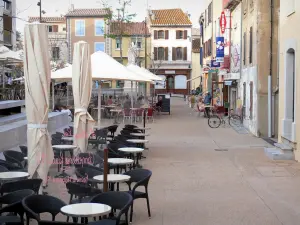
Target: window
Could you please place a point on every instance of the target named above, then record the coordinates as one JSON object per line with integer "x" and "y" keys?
{"x": 180, "y": 34}
{"x": 118, "y": 43}
{"x": 6, "y": 5}
{"x": 99, "y": 46}
{"x": 50, "y": 29}
{"x": 180, "y": 82}
{"x": 64, "y": 29}
{"x": 209, "y": 14}
{"x": 99, "y": 27}
{"x": 179, "y": 54}
{"x": 250, "y": 45}
{"x": 244, "y": 55}
{"x": 55, "y": 53}
{"x": 244, "y": 99}
{"x": 137, "y": 41}
{"x": 251, "y": 99}
{"x": 161, "y": 53}
{"x": 161, "y": 34}
{"x": 53, "y": 28}
{"x": 80, "y": 28}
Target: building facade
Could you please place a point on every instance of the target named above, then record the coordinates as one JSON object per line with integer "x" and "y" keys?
{"x": 87, "y": 25}
{"x": 196, "y": 78}
{"x": 8, "y": 23}
{"x": 171, "y": 47}
{"x": 57, "y": 35}
{"x": 289, "y": 86}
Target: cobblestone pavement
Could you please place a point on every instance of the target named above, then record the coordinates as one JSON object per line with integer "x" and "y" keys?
{"x": 204, "y": 176}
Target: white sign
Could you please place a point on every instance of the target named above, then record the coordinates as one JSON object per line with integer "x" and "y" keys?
{"x": 170, "y": 71}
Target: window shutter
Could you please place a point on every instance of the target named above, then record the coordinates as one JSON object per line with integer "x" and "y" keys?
{"x": 177, "y": 34}
{"x": 155, "y": 53}
{"x": 250, "y": 47}
{"x": 166, "y": 34}
{"x": 174, "y": 54}
{"x": 55, "y": 28}
{"x": 185, "y": 53}
{"x": 244, "y": 55}
{"x": 166, "y": 53}
{"x": 155, "y": 34}
{"x": 185, "y": 34}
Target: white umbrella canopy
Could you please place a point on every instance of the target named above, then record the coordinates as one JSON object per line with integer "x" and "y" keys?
{"x": 82, "y": 89}
{"x": 145, "y": 73}
{"x": 37, "y": 82}
{"x": 62, "y": 75}
{"x": 7, "y": 54}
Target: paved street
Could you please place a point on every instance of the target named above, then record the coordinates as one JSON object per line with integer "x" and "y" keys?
{"x": 214, "y": 176}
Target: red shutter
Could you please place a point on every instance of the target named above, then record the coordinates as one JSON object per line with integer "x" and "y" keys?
{"x": 185, "y": 34}
{"x": 166, "y": 34}
{"x": 166, "y": 53}
{"x": 155, "y": 53}
{"x": 173, "y": 54}
{"x": 185, "y": 53}
{"x": 55, "y": 28}
{"x": 155, "y": 34}
{"x": 177, "y": 34}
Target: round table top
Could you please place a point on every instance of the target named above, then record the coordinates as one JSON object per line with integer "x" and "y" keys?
{"x": 86, "y": 209}
{"x": 116, "y": 110}
{"x": 142, "y": 128}
{"x": 113, "y": 178}
{"x": 25, "y": 158}
{"x": 131, "y": 149}
{"x": 139, "y": 134}
{"x": 64, "y": 147}
{"x": 70, "y": 138}
{"x": 110, "y": 106}
{"x": 134, "y": 108}
{"x": 12, "y": 175}
{"x": 137, "y": 141}
{"x": 119, "y": 161}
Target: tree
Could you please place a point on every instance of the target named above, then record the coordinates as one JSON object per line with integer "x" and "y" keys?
{"x": 155, "y": 64}
{"x": 117, "y": 22}
{"x": 58, "y": 48}
{"x": 19, "y": 41}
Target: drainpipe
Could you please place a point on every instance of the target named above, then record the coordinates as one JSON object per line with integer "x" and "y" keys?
{"x": 241, "y": 57}
{"x": 270, "y": 76}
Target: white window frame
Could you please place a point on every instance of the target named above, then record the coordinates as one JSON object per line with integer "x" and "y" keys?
{"x": 118, "y": 39}
{"x": 98, "y": 43}
{"x": 76, "y": 28}
{"x": 95, "y": 22}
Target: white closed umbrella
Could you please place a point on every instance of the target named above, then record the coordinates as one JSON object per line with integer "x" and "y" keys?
{"x": 143, "y": 72}
{"x": 37, "y": 82}
{"x": 82, "y": 89}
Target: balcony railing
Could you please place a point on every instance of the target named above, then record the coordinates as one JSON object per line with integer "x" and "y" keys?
{"x": 185, "y": 62}
{"x": 7, "y": 37}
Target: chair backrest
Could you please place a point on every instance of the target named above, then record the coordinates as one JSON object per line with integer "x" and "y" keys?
{"x": 150, "y": 112}
{"x": 87, "y": 172}
{"x": 10, "y": 166}
{"x": 112, "y": 129}
{"x": 31, "y": 184}
{"x": 116, "y": 200}
{"x": 24, "y": 149}
{"x": 44, "y": 222}
{"x": 127, "y": 112}
{"x": 139, "y": 176}
{"x": 36, "y": 204}
{"x": 101, "y": 134}
{"x": 81, "y": 189}
{"x": 3, "y": 169}
{"x": 13, "y": 156}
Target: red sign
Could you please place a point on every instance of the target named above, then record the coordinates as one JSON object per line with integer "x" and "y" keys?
{"x": 223, "y": 22}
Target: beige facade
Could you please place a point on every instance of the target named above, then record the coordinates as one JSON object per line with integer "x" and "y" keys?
{"x": 289, "y": 103}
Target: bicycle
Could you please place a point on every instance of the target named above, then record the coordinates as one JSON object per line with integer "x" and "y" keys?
{"x": 215, "y": 121}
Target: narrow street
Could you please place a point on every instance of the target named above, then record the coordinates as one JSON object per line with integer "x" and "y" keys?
{"x": 214, "y": 176}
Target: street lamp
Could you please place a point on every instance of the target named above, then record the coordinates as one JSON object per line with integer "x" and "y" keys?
{"x": 41, "y": 11}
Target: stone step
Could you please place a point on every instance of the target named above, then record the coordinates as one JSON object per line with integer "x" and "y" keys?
{"x": 283, "y": 147}
{"x": 277, "y": 154}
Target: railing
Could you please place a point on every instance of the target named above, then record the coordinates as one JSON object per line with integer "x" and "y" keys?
{"x": 7, "y": 37}
{"x": 12, "y": 94}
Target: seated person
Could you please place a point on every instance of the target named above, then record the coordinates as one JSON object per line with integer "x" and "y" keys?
{"x": 159, "y": 103}
{"x": 56, "y": 108}
{"x": 65, "y": 109}
{"x": 110, "y": 101}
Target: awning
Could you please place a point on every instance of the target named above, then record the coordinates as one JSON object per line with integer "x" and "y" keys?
{"x": 193, "y": 78}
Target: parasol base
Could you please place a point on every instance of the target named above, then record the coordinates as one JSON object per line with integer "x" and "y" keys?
{"x": 62, "y": 175}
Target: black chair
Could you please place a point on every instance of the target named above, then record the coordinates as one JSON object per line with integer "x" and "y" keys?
{"x": 112, "y": 130}
{"x": 37, "y": 204}
{"x": 100, "y": 138}
{"x": 3, "y": 169}
{"x": 89, "y": 158}
{"x": 14, "y": 157}
{"x": 31, "y": 184}
{"x": 13, "y": 204}
{"x": 141, "y": 178}
{"x": 84, "y": 172}
{"x": 24, "y": 150}
{"x": 11, "y": 166}
{"x": 120, "y": 201}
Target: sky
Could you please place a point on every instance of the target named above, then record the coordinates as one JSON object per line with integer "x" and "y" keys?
{"x": 27, "y": 8}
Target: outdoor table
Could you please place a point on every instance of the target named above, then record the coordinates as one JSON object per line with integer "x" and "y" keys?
{"x": 13, "y": 175}
{"x": 113, "y": 178}
{"x": 119, "y": 162}
{"x": 140, "y": 143}
{"x": 139, "y": 134}
{"x": 132, "y": 151}
{"x": 26, "y": 158}
{"x": 117, "y": 112}
{"x": 85, "y": 210}
{"x": 63, "y": 149}
{"x": 68, "y": 139}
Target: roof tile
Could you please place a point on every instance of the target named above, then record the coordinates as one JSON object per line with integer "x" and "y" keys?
{"x": 169, "y": 17}
{"x": 87, "y": 12}
{"x": 136, "y": 28}
{"x": 53, "y": 19}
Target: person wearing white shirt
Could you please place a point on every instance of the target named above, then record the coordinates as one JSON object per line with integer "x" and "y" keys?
{"x": 65, "y": 109}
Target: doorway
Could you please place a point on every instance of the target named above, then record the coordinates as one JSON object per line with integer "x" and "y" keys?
{"x": 170, "y": 83}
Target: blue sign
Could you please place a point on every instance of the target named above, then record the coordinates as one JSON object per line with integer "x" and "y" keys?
{"x": 220, "y": 49}
{"x": 215, "y": 64}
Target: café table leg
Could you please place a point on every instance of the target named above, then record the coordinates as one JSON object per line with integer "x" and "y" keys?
{"x": 137, "y": 161}
{"x": 63, "y": 173}
{"x": 118, "y": 171}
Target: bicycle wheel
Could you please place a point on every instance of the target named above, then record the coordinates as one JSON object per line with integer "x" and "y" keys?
{"x": 235, "y": 120}
{"x": 214, "y": 121}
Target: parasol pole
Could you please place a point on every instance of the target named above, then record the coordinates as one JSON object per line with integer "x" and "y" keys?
{"x": 99, "y": 105}
{"x": 105, "y": 172}
{"x": 131, "y": 102}
{"x": 53, "y": 93}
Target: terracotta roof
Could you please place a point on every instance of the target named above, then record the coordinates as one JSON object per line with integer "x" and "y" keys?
{"x": 169, "y": 17}
{"x": 137, "y": 28}
{"x": 54, "y": 19}
{"x": 87, "y": 12}
{"x": 196, "y": 45}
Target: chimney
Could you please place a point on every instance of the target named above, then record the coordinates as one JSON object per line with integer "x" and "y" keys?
{"x": 72, "y": 7}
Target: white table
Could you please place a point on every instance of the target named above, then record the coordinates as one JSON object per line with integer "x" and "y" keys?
{"x": 132, "y": 152}
{"x": 68, "y": 139}
{"x": 119, "y": 161}
{"x": 138, "y": 141}
{"x": 142, "y": 128}
{"x": 13, "y": 175}
{"x": 113, "y": 178}
{"x": 86, "y": 210}
{"x": 26, "y": 158}
{"x": 63, "y": 149}
{"x": 139, "y": 134}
